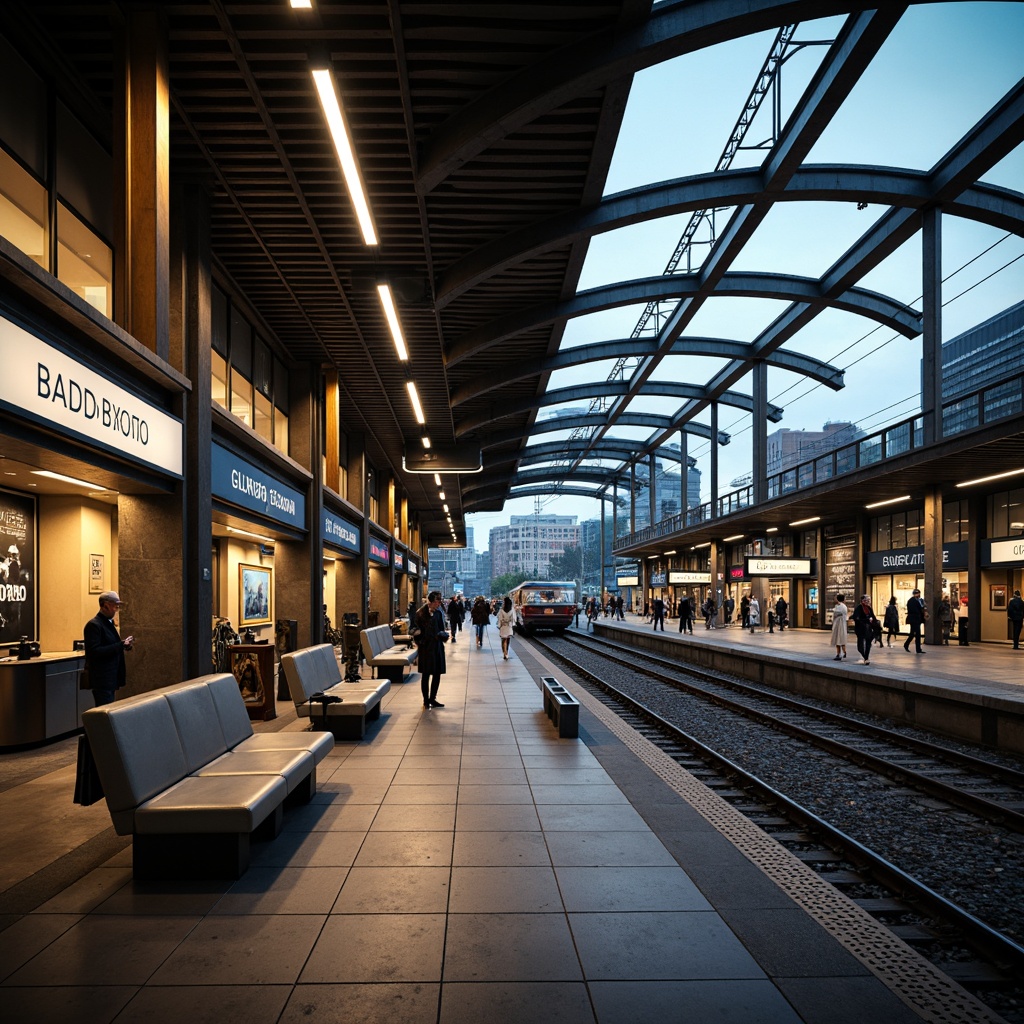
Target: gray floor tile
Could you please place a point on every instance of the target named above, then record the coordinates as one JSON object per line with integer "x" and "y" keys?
{"x": 659, "y": 947}
{"x": 504, "y": 890}
{"x": 568, "y": 775}
{"x": 607, "y": 849}
{"x": 283, "y": 891}
{"x": 590, "y": 818}
{"x": 500, "y": 848}
{"x": 156, "y": 899}
{"x": 469, "y": 794}
{"x": 414, "y": 818}
{"x": 510, "y": 947}
{"x": 603, "y": 890}
{"x": 845, "y": 1001}
{"x": 350, "y": 792}
{"x": 215, "y": 1004}
{"x": 89, "y": 892}
{"x": 497, "y": 818}
{"x": 691, "y": 1002}
{"x": 516, "y": 1003}
{"x": 555, "y": 793}
{"x": 333, "y": 816}
{"x": 33, "y": 933}
{"x": 430, "y": 762}
{"x": 394, "y": 890}
{"x": 406, "y": 849}
{"x": 256, "y": 949}
{"x": 96, "y": 1004}
{"x": 421, "y": 795}
{"x": 133, "y": 948}
{"x": 493, "y": 776}
{"x": 426, "y": 776}
{"x": 483, "y": 762}
{"x": 366, "y": 1004}
{"x": 377, "y": 948}
{"x": 312, "y": 849}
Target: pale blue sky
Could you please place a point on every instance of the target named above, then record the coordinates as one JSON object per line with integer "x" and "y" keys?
{"x": 942, "y": 67}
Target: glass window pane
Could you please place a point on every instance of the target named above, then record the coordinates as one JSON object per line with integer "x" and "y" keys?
{"x": 263, "y": 370}
{"x": 280, "y": 386}
{"x": 241, "y": 397}
{"x": 264, "y": 424}
{"x": 84, "y": 262}
{"x": 84, "y": 172}
{"x": 241, "y": 345}
{"x": 23, "y": 210}
{"x": 219, "y": 380}
{"x": 22, "y": 109}
{"x": 280, "y": 430}
{"x": 219, "y": 302}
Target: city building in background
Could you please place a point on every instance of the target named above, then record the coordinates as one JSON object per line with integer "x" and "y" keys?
{"x": 528, "y": 543}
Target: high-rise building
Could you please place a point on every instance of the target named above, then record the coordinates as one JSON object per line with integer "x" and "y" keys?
{"x": 528, "y": 543}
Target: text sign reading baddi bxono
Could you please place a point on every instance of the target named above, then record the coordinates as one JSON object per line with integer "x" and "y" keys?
{"x": 45, "y": 384}
{"x": 340, "y": 533}
{"x": 780, "y": 566}
{"x": 240, "y": 482}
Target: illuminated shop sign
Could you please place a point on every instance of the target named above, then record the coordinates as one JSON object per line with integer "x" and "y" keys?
{"x": 628, "y": 581}
{"x": 659, "y": 579}
{"x": 235, "y": 480}
{"x": 1002, "y": 551}
{"x": 340, "y": 533}
{"x": 737, "y": 572}
{"x": 41, "y": 383}
{"x": 414, "y": 567}
{"x": 399, "y": 562}
{"x": 379, "y": 551}
{"x": 912, "y": 559}
{"x": 779, "y": 566}
{"x": 683, "y": 576}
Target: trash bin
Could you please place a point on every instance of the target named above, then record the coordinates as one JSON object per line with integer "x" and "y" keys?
{"x": 961, "y": 631}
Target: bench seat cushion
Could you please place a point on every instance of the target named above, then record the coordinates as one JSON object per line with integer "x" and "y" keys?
{"x": 213, "y": 803}
{"x": 355, "y": 700}
{"x": 319, "y": 744}
{"x": 292, "y": 765}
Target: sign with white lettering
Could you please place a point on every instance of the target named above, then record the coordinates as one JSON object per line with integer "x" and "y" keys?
{"x": 46, "y": 385}
{"x": 902, "y": 560}
{"x": 414, "y": 567}
{"x": 628, "y": 581}
{"x": 768, "y": 566}
{"x": 379, "y": 551}
{"x": 340, "y": 533}
{"x": 658, "y": 579}
{"x": 684, "y": 576}
{"x": 1003, "y": 551}
{"x": 236, "y": 480}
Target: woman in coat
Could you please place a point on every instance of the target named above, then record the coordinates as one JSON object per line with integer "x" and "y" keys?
{"x": 839, "y": 632}
{"x": 480, "y": 615}
{"x": 891, "y": 621}
{"x": 430, "y": 642}
{"x": 506, "y": 622}
{"x": 863, "y": 624}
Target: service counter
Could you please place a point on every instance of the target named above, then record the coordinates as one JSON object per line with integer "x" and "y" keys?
{"x": 40, "y": 699}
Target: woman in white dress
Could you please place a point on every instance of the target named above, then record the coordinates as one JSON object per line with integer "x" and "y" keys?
{"x": 839, "y": 616}
{"x": 506, "y": 620}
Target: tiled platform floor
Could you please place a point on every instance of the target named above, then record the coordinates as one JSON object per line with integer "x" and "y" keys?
{"x": 458, "y": 865}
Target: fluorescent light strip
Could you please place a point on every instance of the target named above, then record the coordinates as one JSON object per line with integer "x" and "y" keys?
{"x": 425, "y": 441}
{"x": 328, "y": 93}
{"x": 440, "y": 494}
{"x": 772, "y": 529}
{"x": 255, "y": 536}
{"x": 391, "y": 315}
{"x": 414, "y": 397}
{"x": 986, "y": 479}
{"x": 437, "y": 479}
{"x": 66, "y": 479}
{"x": 301, "y": 5}
{"x": 672, "y": 552}
{"x": 735, "y": 536}
{"x": 889, "y": 501}
{"x": 804, "y": 522}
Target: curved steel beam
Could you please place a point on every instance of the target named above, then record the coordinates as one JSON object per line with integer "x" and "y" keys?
{"x": 599, "y": 389}
{"x": 593, "y": 62}
{"x": 1002, "y": 208}
{"x": 533, "y": 476}
{"x": 649, "y": 421}
{"x": 498, "y": 492}
{"x": 614, "y": 448}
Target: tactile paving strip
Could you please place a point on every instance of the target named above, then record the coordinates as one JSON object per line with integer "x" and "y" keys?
{"x": 921, "y": 985}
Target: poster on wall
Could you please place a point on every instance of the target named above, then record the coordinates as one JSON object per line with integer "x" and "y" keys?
{"x": 17, "y": 566}
{"x": 254, "y": 594}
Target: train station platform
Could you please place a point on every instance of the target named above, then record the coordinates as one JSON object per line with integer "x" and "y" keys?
{"x": 458, "y": 865}
{"x": 974, "y": 692}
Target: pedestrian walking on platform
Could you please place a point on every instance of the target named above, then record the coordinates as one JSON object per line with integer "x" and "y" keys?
{"x": 782, "y": 613}
{"x": 917, "y": 615}
{"x": 480, "y": 615}
{"x": 506, "y": 622}
{"x": 864, "y": 620}
{"x": 658, "y": 609}
{"x": 744, "y": 611}
{"x": 891, "y": 621}
{"x": 946, "y": 618}
{"x": 430, "y": 643}
{"x": 685, "y": 615}
{"x": 1015, "y": 613}
{"x": 839, "y": 630}
{"x": 754, "y": 614}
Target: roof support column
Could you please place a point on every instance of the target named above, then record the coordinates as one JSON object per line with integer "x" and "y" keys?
{"x": 714, "y": 460}
{"x": 332, "y": 449}
{"x": 931, "y": 337}
{"x": 632, "y": 497}
{"x": 652, "y": 496}
{"x": 684, "y": 472}
{"x": 933, "y": 563}
{"x": 759, "y": 432}
{"x": 601, "y": 587}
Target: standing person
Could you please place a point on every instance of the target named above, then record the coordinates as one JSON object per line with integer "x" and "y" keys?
{"x": 430, "y": 643}
{"x": 863, "y": 624}
{"x": 1015, "y": 613}
{"x": 618, "y": 608}
{"x": 658, "y": 609}
{"x": 104, "y": 650}
{"x": 729, "y": 607}
{"x": 782, "y": 612}
{"x": 839, "y": 630}
{"x": 710, "y": 611}
{"x": 754, "y": 613}
{"x": 744, "y": 611}
{"x": 916, "y": 616}
{"x": 506, "y": 622}
{"x": 891, "y": 621}
{"x": 456, "y": 616}
{"x": 685, "y": 615}
{"x": 480, "y": 616}
{"x": 946, "y": 618}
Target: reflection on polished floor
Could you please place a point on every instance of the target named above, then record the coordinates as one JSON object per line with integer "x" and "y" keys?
{"x": 458, "y": 865}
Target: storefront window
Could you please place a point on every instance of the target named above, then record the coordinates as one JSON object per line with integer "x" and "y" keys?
{"x": 1006, "y": 513}
{"x": 955, "y": 526}
{"x": 23, "y": 210}
{"x": 84, "y": 262}
{"x": 899, "y": 530}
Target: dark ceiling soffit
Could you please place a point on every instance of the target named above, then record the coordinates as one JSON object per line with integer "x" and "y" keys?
{"x": 599, "y": 389}
{"x": 889, "y": 312}
{"x": 591, "y": 63}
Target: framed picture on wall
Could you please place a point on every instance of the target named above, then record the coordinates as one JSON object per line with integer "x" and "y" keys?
{"x": 96, "y": 564}
{"x": 997, "y": 597}
{"x": 17, "y": 566}
{"x": 255, "y": 595}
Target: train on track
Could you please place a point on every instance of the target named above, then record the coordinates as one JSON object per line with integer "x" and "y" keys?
{"x": 544, "y": 605}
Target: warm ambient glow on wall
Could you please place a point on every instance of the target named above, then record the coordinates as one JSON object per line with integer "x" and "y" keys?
{"x": 327, "y": 90}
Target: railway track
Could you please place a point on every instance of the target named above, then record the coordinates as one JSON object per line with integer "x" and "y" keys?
{"x": 981, "y": 957}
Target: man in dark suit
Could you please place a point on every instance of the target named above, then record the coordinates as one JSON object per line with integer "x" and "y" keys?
{"x": 104, "y": 650}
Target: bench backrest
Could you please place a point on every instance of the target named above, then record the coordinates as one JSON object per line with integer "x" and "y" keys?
{"x": 309, "y": 671}
{"x": 376, "y": 640}
{"x": 146, "y": 743}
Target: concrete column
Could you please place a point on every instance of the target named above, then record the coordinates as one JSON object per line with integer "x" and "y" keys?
{"x": 332, "y": 399}
{"x": 632, "y": 497}
{"x": 714, "y": 460}
{"x": 759, "y": 433}
{"x": 684, "y": 473}
{"x": 933, "y": 563}
{"x": 601, "y": 582}
{"x": 931, "y": 339}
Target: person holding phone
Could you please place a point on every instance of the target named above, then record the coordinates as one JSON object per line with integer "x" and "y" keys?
{"x": 105, "y": 650}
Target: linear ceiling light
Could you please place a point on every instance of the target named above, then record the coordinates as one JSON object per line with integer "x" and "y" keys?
{"x": 672, "y": 552}
{"x": 986, "y": 479}
{"x": 440, "y": 494}
{"x": 425, "y": 441}
{"x": 735, "y": 536}
{"x": 772, "y": 529}
{"x": 255, "y": 536}
{"x": 414, "y": 397}
{"x": 301, "y": 5}
{"x": 804, "y": 522}
{"x": 391, "y": 315}
{"x": 67, "y": 479}
{"x": 889, "y": 501}
{"x": 437, "y": 479}
{"x": 327, "y": 90}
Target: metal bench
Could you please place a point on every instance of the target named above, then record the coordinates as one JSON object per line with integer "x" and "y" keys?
{"x": 561, "y": 707}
